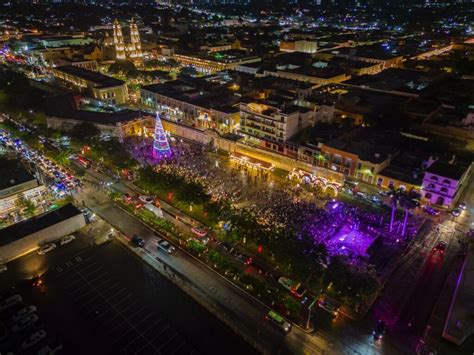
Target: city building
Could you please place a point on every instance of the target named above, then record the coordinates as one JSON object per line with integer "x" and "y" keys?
{"x": 17, "y": 184}
{"x": 99, "y": 86}
{"x": 271, "y": 124}
{"x": 299, "y": 46}
{"x": 444, "y": 182}
{"x": 212, "y": 62}
{"x": 65, "y": 112}
{"x": 28, "y": 235}
{"x": 131, "y": 50}
{"x": 194, "y": 102}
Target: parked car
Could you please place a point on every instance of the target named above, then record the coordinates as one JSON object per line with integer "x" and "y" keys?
{"x": 3, "y": 332}
{"x": 146, "y": 199}
{"x": 200, "y": 231}
{"x": 25, "y": 322}
{"x": 385, "y": 193}
{"x": 245, "y": 259}
{"x": 46, "y": 248}
{"x": 10, "y": 301}
{"x": 26, "y": 311}
{"x": 462, "y": 206}
{"x": 431, "y": 211}
{"x": 3, "y": 268}
{"x": 137, "y": 241}
{"x": 67, "y": 239}
{"x": 50, "y": 349}
{"x": 33, "y": 339}
{"x": 456, "y": 212}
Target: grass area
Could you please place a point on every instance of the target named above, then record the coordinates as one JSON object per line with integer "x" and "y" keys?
{"x": 197, "y": 212}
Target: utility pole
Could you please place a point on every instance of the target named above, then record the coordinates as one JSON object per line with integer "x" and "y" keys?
{"x": 309, "y": 313}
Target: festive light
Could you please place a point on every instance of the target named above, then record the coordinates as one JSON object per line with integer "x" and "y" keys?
{"x": 161, "y": 147}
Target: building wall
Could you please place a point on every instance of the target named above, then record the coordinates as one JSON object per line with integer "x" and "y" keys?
{"x": 306, "y": 78}
{"x": 338, "y": 160}
{"x": 113, "y": 95}
{"x": 33, "y": 241}
{"x": 444, "y": 191}
{"x": 35, "y": 194}
{"x": 389, "y": 182}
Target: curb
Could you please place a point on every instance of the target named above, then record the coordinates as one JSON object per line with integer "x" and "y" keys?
{"x": 308, "y": 331}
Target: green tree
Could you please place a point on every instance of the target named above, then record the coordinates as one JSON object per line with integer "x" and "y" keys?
{"x": 85, "y": 130}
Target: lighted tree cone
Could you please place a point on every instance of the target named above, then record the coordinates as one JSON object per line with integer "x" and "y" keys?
{"x": 161, "y": 147}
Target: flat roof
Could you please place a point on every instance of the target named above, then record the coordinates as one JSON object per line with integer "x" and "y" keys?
{"x": 13, "y": 173}
{"x": 64, "y": 106}
{"x": 103, "y": 80}
{"x": 450, "y": 171}
{"x": 24, "y": 228}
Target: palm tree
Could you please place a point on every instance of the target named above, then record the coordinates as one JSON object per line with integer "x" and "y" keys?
{"x": 393, "y": 203}
{"x": 408, "y": 200}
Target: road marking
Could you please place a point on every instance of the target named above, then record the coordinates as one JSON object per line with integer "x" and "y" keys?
{"x": 123, "y": 299}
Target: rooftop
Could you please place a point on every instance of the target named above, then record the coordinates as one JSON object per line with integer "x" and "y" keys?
{"x": 66, "y": 106}
{"x": 103, "y": 81}
{"x": 450, "y": 171}
{"x": 13, "y": 173}
{"x": 22, "y": 229}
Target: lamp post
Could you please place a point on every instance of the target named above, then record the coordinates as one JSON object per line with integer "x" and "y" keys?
{"x": 308, "y": 320}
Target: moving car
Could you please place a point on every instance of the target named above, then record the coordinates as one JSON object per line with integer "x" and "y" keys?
{"x": 67, "y": 239}
{"x": 36, "y": 281}
{"x": 26, "y": 311}
{"x": 33, "y": 339}
{"x": 456, "y": 212}
{"x": 165, "y": 246}
{"x": 379, "y": 330}
{"x": 137, "y": 241}
{"x": 328, "y": 307}
{"x": 10, "y": 301}
{"x": 46, "y": 248}
{"x": 462, "y": 206}
{"x": 24, "y": 322}
{"x": 440, "y": 247}
{"x": 278, "y": 320}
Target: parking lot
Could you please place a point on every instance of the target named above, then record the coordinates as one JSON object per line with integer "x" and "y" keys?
{"x": 129, "y": 326}
{"x": 105, "y": 300}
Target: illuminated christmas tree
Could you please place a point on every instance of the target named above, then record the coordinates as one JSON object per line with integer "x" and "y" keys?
{"x": 161, "y": 147}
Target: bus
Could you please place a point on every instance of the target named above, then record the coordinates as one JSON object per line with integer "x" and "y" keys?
{"x": 279, "y": 321}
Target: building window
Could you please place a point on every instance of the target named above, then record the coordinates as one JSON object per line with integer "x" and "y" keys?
{"x": 444, "y": 189}
{"x": 379, "y": 181}
{"x": 434, "y": 178}
{"x": 446, "y": 182}
{"x": 359, "y": 166}
{"x": 428, "y": 195}
{"x": 391, "y": 184}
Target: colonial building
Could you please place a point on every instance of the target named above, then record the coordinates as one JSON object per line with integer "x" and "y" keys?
{"x": 443, "y": 183}
{"x": 131, "y": 50}
{"x": 99, "y": 86}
